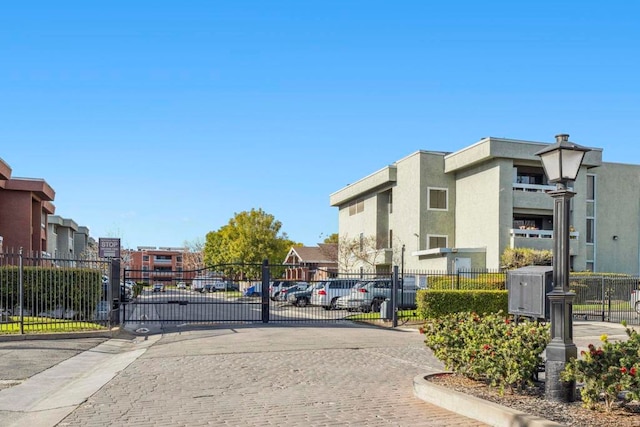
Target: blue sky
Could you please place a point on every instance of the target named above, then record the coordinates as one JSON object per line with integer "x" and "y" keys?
{"x": 157, "y": 121}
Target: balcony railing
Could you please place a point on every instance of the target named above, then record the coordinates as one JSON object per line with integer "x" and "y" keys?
{"x": 539, "y": 234}
{"x": 534, "y": 188}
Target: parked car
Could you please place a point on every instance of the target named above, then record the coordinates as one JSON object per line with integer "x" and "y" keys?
{"x": 368, "y": 296}
{"x": 158, "y": 287}
{"x": 181, "y": 285}
{"x": 327, "y": 292}
{"x": 303, "y": 297}
{"x": 277, "y": 285}
{"x": 284, "y": 292}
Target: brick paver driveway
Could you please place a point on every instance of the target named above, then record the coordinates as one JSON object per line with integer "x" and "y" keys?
{"x": 265, "y": 375}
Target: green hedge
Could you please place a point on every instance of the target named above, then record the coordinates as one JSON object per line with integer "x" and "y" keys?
{"x": 485, "y": 281}
{"x": 45, "y": 289}
{"x": 435, "y": 303}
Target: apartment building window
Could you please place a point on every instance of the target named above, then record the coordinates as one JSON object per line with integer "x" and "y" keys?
{"x": 590, "y": 230}
{"x": 591, "y": 187}
{"x": 390, "y": 202}
{"x": 436, "y": 241}
{"x": 437, "y": 199}
{"x": 356, "y": 206}
{"x": 391, "y": 238}
{"x": 145, "y": 258}
{"x": 361, "y": 242}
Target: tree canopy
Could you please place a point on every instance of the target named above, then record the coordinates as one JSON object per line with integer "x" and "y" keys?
{"x": 249, "y": 238}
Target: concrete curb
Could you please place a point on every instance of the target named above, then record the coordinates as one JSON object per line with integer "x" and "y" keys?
{"x": 472, "y": 407}
{"x": 104, "y": 333}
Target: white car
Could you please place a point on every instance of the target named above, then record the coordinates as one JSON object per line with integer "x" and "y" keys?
{"x": 327, "y": 293}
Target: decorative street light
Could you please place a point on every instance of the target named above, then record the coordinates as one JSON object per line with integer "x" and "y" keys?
{"x": 561, "y": 162}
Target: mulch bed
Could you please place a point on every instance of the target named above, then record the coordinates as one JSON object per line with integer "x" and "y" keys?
{"x": 533, "y": 402}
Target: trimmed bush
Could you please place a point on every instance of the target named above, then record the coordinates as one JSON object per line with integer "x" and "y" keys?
{"x": 434, "y": 303}
{"x": 521, "y": 257}
{"x": 484, "y": 281}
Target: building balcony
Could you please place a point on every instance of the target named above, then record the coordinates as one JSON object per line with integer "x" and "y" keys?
{"x": 540, "y": 240}
{"x": 162, "y": 261}
{"x": 532, "y": 196}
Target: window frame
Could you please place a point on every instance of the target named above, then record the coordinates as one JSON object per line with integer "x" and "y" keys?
{"x": 437, "y": 236}
{"x": 446, "y": 198}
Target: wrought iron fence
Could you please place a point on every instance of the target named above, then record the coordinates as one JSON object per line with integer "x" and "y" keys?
{"x": 606, "y": 297}
{"x": 39, "y": 293}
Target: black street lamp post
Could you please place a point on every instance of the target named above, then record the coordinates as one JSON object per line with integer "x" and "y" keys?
{"x": 561, "y": 162}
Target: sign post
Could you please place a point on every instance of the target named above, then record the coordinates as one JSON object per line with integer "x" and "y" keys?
{"x": 109, "y": 247}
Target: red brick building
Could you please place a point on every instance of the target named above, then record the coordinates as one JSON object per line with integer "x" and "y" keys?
{"x": 156, "y": 265}
{"x": 24, "y": 206}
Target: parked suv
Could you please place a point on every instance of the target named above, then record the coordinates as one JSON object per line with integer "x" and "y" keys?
{"x": 277, "y": 285}
{"x": 368, "y": 296}
{"x": 327, "y": 292}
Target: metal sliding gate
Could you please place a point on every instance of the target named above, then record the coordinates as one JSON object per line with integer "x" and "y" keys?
{"x": 209, "y": 295}
{"x": 237, "y": 293}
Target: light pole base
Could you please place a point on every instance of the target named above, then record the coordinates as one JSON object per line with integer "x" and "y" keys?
{"x": 554, "y": 388}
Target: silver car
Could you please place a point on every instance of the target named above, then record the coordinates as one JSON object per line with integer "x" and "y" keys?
{"x": 327, "y": 293}
{"x": 368, "y": 296}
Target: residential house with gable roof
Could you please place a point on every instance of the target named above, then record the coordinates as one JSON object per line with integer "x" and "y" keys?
{"x": 311, "y": 263}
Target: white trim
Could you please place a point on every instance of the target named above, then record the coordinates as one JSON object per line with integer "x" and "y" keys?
{"x": 446, "y": 190}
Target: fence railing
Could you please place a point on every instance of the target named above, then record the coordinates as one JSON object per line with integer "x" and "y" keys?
{"x": 39, "y": 293}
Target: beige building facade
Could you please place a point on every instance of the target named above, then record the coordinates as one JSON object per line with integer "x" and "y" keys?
{"x": 461, "y": 210}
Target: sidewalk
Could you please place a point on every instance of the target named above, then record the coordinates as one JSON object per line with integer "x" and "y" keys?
{"x": 339, "y": 374}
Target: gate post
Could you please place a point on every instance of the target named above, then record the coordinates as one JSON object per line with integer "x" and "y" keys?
{"x": 264, "y": 293}
{"x": 394, "y": 296}
{"x": 21, "y": 290}
{"x": 114, "y": 282}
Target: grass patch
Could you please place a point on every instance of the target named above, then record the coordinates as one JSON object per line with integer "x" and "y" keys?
{"x": 43, "y": 324}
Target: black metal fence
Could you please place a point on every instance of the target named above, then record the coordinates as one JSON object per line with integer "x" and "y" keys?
{"x": 44, "y": 294}
{"x": 606, "y": 297}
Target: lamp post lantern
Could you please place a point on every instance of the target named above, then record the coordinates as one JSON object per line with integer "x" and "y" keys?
{"x": 561, "y": 162}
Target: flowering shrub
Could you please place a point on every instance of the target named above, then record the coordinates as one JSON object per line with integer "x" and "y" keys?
{"x": 490, "y": 348}
{"x": 607, "y": 371}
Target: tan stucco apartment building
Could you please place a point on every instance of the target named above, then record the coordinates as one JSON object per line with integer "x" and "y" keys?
{"x": 461, "y": 210}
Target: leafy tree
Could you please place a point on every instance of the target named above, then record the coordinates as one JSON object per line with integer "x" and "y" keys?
{"x": 332, "y": 238}
{"x": 248, "y": 238}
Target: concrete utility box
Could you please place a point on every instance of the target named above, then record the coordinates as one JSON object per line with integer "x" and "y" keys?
{"x": 528, "y": 288}
{"x": 386, "y": 310}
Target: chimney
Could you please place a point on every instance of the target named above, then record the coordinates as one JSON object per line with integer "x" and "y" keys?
{"x": 562, "y": 137}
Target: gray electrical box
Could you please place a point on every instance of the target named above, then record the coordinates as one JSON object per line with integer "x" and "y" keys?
{"x": 528, "y": 288}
